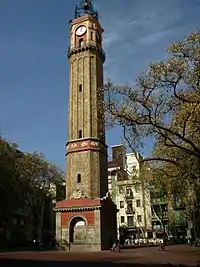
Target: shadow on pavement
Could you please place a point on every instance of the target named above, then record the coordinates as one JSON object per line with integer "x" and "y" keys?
{"x": 36, "y": 263}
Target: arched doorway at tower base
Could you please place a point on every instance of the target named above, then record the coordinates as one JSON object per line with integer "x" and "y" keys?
{"x": 77, "y": 230}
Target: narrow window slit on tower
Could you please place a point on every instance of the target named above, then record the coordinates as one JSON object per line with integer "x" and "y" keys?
{"x": 79, "y": 134}
{"x": 80, "y": 87}
{"x": 91, "y": 35}
{"x": 79, "y": 178}
{"x": 81, "y": 42}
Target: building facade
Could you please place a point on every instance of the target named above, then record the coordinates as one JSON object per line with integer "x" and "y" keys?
{"x": 130, "y": 193}
{"x": 86, "y": 219}
{"x": 160, "y": 216}
{"x": 168, "y": 215}
{"x": 144, "y": 211}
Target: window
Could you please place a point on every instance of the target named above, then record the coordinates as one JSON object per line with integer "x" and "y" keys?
{"x": 129, "y": 206}
{"x": 91, "y": 35}
{"x": 122, "y": 219}
{"x": 79, "y": 178}
{"x": 130, "y": 220}
{"x": 81, "y": 42}
{"x": 138, "y": 204}
{"x": 121, "y": 204}
{"x": 80, "y": 87}
{"x": 79, "y": 134}
{"x": 129, "y": 192}
{"x": 134, "y": 168}
{"x": 165, "y": 208}
{"x": 137, "y": 188}
{"x": 139, "y": 218}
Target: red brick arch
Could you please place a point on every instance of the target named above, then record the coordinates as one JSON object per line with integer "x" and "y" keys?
{"x": 66, "y": 217}
{"x": 77, "y": 216}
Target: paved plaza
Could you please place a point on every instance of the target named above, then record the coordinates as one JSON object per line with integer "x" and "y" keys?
{"x": 182, "y": 255}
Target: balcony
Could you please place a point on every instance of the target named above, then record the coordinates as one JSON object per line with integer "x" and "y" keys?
{"x": 87, "y": 46}
{"x": 160, "y": 216}
{"x": 159, "y": 201}
{"x": 130, "y": 210}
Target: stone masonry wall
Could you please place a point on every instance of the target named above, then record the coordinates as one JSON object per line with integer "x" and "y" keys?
{"x": 92, "y": 166}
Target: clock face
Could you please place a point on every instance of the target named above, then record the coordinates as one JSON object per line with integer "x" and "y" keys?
{"x": 81, "y": 30}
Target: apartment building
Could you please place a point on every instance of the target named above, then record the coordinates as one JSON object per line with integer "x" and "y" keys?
{"x": 129, "y": 192}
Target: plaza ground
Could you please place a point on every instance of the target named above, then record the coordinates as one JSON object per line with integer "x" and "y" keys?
{"x": 181, "y": 255}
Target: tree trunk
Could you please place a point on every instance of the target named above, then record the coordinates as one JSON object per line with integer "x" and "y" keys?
{"x": 40, "y": 222}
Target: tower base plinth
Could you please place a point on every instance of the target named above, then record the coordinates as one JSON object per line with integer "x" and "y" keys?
{"x": 85, "y": 224}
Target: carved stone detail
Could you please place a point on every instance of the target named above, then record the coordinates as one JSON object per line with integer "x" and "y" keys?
{"x": 77, "y": 194}
{"x": 84, "y": 144}
{"x": 94, "y": 144}
{"x": 73, "y": 145}
{"x": 77, "y": 145}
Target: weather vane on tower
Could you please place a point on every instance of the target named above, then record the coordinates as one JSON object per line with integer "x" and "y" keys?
{"x": 85, "y": 7}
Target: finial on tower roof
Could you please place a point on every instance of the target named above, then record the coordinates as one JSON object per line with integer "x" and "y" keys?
{"x": 85, "y": 7}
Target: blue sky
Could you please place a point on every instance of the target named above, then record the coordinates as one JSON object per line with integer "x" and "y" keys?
{"x": 34, "y": 66}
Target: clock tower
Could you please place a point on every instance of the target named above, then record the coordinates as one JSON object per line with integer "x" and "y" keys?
{"x": 86, "y": 220}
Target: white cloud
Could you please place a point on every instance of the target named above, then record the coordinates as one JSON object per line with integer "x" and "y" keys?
{"x": 152, "y": 38}
{"x": 139, "y": 31}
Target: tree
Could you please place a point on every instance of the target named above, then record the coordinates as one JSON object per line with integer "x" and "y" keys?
{"x": 155, "y": 191}
{"x": 41, "y": 177}
{"x": 164, "y": 105}
{"x": 27, "y": 183}
{"x": 180, "y": 183}
{"x": 10, "y": 195}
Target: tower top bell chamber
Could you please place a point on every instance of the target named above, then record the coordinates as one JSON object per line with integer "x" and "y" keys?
{"x": 86, "y": 7}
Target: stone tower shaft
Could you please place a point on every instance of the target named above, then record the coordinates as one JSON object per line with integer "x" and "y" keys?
{"x": 86, "y": 219}
{"x": 86, "y": 149}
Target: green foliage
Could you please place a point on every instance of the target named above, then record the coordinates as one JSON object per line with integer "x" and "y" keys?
{"x": 27, "y": 182}
{"x": 164, "y": 106}
{"x": 8, "y": 179}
